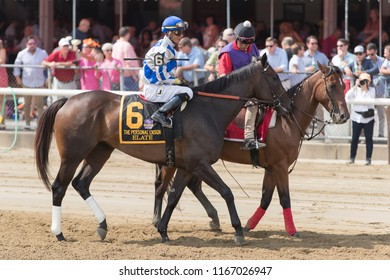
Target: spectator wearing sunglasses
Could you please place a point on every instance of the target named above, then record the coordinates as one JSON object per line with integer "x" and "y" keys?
{"x": 360, "y": 65}
{"x": 313, "y": 55}
{"x": 342, "y": 59}
{"x": 379, "y": 84}
{"x": 159, "y": 71}
{"x": 277, "y": 58}
{"x": 236, "y": 55}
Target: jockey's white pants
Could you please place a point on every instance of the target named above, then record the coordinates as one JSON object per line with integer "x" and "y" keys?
{"x": 164, "y": 93}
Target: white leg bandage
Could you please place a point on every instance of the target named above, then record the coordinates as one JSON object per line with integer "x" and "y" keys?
{"x": 99, "y": 214}
{"x": 56, "y": 220}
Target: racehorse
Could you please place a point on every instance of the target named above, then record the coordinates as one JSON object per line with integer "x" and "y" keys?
{"x": 86, "y": 130}
{"x": 324, "y": 87}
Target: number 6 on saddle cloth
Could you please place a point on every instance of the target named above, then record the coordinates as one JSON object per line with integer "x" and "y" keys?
{"x": 137, "y": 127}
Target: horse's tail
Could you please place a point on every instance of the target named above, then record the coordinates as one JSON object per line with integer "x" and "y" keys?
{"x": 43, "y": 139}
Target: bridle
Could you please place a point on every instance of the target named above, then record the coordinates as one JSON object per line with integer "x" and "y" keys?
{"x": 333, "y": 109}
{"x": 332, "y": 70}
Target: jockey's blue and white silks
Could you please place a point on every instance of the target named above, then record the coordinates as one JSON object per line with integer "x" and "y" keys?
{"x": 160, "y": 74}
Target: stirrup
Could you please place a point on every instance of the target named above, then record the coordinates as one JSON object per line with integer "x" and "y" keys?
{"x": 160, "y": 117}
{"x": 253, "y": 144}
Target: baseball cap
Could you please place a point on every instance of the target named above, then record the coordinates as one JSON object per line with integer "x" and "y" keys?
{"x": 64, "y": 41}
{"x": 358, "y": 49}
{"x": 227, "y": 32}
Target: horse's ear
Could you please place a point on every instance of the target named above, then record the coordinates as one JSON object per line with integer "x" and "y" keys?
{"x": 322, "y": 67}
{"x": 264, "y": 60}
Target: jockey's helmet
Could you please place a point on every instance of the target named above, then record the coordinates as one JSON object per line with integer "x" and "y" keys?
{"x": 174, "y": 23}
{"x": 245, "y": 32}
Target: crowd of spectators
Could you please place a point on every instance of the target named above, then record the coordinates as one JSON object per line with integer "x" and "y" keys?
{"x": 97, "y": 53}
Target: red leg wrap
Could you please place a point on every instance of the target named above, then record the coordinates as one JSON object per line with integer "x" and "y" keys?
{"x": 255, "y": 219}
{"x": 288, "y": 221}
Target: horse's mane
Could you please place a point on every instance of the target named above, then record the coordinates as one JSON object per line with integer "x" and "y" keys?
{"x": 291, "y": 92}
{"x": 233, "y": 77}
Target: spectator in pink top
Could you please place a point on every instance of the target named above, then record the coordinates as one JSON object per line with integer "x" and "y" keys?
{"x": 110, "y": 77}
{"x": 88, "y": 80}
{"x": 123, "y": 49}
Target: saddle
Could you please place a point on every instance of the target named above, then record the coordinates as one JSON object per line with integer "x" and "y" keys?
{"x": 264, "y": 120}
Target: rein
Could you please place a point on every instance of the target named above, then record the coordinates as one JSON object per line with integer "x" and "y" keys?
{"x": 225, "y": 96}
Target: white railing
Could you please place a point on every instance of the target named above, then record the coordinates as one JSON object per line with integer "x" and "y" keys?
{"x": 332, "y": 133}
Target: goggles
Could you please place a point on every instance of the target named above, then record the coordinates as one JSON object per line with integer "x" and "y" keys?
{"x": 245, "y": 40}
{"x": 178, "y": 33}
{"x": 180, "y": 25}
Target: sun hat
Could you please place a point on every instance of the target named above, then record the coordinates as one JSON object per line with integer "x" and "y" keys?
{"x": 365, "y": 76}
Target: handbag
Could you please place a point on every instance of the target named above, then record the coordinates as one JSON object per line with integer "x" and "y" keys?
{"x": 367, "y": 114}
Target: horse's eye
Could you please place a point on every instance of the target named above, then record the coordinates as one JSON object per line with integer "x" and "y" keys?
{"x": 332, "y": 86}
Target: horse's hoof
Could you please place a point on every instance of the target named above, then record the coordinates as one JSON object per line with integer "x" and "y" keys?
{"x": 164, "y": 236}
{"x": 239, "y": 240}
{"x": 165, "y": 239}
{"x": 214, "y": 225}
{"x": 295, "y": 235}
{"x": 156, "y": 224}
{"x": 246, "y": 229}
{"x": 60, "y": 237}
{"x": 102, "y": 233}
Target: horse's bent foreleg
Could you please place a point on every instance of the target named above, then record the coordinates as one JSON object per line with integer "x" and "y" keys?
{"x": 164, "y": 176}
{"x": 91, "y": 167}
{"x": 59, "y": 188}
{"x": 181, "y": 179}
{"x": 207, "y": 174}
{"x": 195, "y": 185}
{"x": 266, "y": 197}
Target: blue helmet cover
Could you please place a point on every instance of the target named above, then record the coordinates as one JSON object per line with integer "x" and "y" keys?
{"x": 173, "y": 23}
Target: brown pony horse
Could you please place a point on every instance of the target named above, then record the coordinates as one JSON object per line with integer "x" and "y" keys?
{"x": 86, "y": 130}
{"x": 283, "y": 141}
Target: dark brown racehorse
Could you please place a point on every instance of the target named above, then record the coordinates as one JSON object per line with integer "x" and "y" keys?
{"x": 323, "y": 87}
{"x": 86, "y": 131}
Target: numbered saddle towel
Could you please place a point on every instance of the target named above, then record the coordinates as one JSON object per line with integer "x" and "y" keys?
{"x": 136, "y": 125}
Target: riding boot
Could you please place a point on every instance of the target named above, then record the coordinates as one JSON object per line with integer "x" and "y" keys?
{"x": 249, "y": 130}
{"x": 160, "y": 114}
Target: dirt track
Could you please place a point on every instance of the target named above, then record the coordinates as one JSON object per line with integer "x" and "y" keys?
{"x": 340, "y": 211}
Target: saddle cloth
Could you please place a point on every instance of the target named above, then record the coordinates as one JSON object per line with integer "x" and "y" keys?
{"x": 235, "y": 130}
{"x": 136, "y": 125}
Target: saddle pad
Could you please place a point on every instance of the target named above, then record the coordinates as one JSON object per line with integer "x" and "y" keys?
{"x": 235, "y": 133}
{"x": 135, "y": 123}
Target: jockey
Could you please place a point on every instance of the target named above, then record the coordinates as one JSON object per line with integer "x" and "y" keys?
{"x": 233, "y": 56}
{"x": 160, "y": 83}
